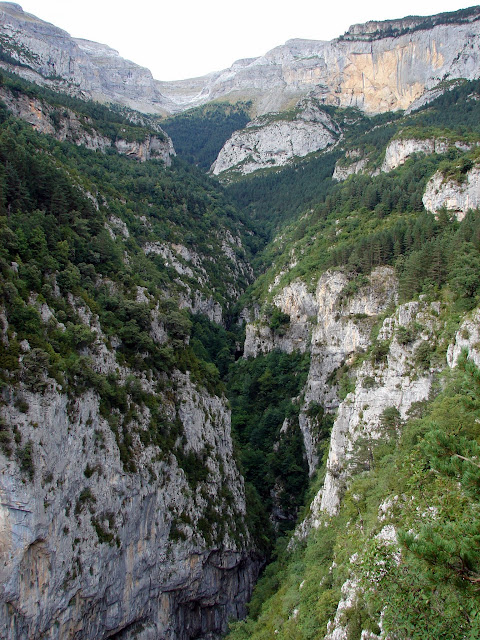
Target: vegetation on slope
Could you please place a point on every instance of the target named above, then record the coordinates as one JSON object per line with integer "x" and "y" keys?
{"x": 60, "y": 258}
{"x": 113, "y": 122}
{"x": 280, "y": 197}
{"x": 424, "y": 583}
{"x": 56, "y": 208}
{"x": 402, "y": 554}
{"x": 199, "y": 134}
{"x": 265, "y": 422}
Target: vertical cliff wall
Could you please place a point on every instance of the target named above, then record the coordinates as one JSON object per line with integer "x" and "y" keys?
{"x": 119, "y": 522}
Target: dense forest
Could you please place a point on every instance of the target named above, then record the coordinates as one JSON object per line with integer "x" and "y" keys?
{"x": 200, "y": 133}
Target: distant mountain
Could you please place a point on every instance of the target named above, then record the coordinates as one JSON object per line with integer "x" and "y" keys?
{"x": 377, "y": 66}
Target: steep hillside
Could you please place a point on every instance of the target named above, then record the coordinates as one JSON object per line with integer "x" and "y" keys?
{"x": 383, "y": 296}
{"x": 123, "y": 509}
{"x": 85, "y": 123}
{"x": 49, "y": 56}
{"x": 198, "y": 379}
{"x": 200, "y": 133}
{"x": 274, "y": 140}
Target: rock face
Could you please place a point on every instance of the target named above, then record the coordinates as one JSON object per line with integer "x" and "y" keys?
{"x": 334, "y": 326}
{"x": 398, "y": 151}
{"x": 193, "y": 277}
{"x": 467, "y": 339}
{"x": 392, "y": 382}
{"x": 91, "y": 547}
{"x": 65, "y": 125}
{"x": 273, "y": 141}
{"x": 48, "y": 55}
{"x": 442, "y": 192}
{"x": 351, "y": 164}
{"x": 376, "y": 67}
{"x": 381, "y": 70}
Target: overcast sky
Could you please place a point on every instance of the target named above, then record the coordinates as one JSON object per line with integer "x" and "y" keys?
{"x": 183, "y": 39}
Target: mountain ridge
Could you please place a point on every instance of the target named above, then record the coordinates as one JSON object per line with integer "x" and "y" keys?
{"x": 333, "y": 69}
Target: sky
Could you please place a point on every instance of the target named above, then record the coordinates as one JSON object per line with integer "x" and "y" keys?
{"x": 188, "y": 38}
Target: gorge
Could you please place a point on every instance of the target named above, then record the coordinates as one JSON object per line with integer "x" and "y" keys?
{"x": 239, "y": 339}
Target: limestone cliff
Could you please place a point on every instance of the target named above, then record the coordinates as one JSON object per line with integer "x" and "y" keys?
{"x": 385, "y": 71}
{"x": 272, "y": 141}
{"x": 45, "y": 54}
{"x": 399, "y": 150}
{"x": 448, "y": 193}
{"x": 394, "y": 380}
{"x": 65, "y": 125}
{"x": 467, "y": 338}
{"x": 466, "y": 341}
{"x": 104, "y": 534}
{"x": 376, "y": 67}
{"x": 334, "y": 326}
{"x": 349, "y": 166}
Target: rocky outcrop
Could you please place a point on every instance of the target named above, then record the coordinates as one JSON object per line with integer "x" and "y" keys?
{"x": 101, "y": 537}
{"x": 376, "y": 67}
{"x": 334, "y": 324}
{"x": 395, "y": 380}
{"x": 457, "y": 197}
{"x": 151, "y": 148}
{"x": 194, "y": 281}
{"x": 275, "y": 140}
{"x": 398, "y": 151}
{"x": 351, "y": 164}
{"x": 65, "y": 125}
{"x": 301, "y": 306}
{"x": 386, "y": 540}
{"x": 467, "y": 339}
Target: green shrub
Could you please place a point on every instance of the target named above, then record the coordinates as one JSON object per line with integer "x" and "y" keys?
{"x": 25, "y": 458}
{"x": 405, "y": 335}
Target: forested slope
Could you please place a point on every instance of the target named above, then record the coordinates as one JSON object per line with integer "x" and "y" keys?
{"x": 384, "y": 296}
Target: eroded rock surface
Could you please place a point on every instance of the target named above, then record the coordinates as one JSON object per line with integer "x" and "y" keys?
{"x": 103, "y": 533}
{"x": 273, "y": 141}
{"x": 457, "y": 197}
{"x": 65, "y": 125}
{"x": 387, "y": 68}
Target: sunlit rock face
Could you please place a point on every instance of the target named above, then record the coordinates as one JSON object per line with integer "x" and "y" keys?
{"x": 330, "y": 324}
{"x": 376, "y": 67}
